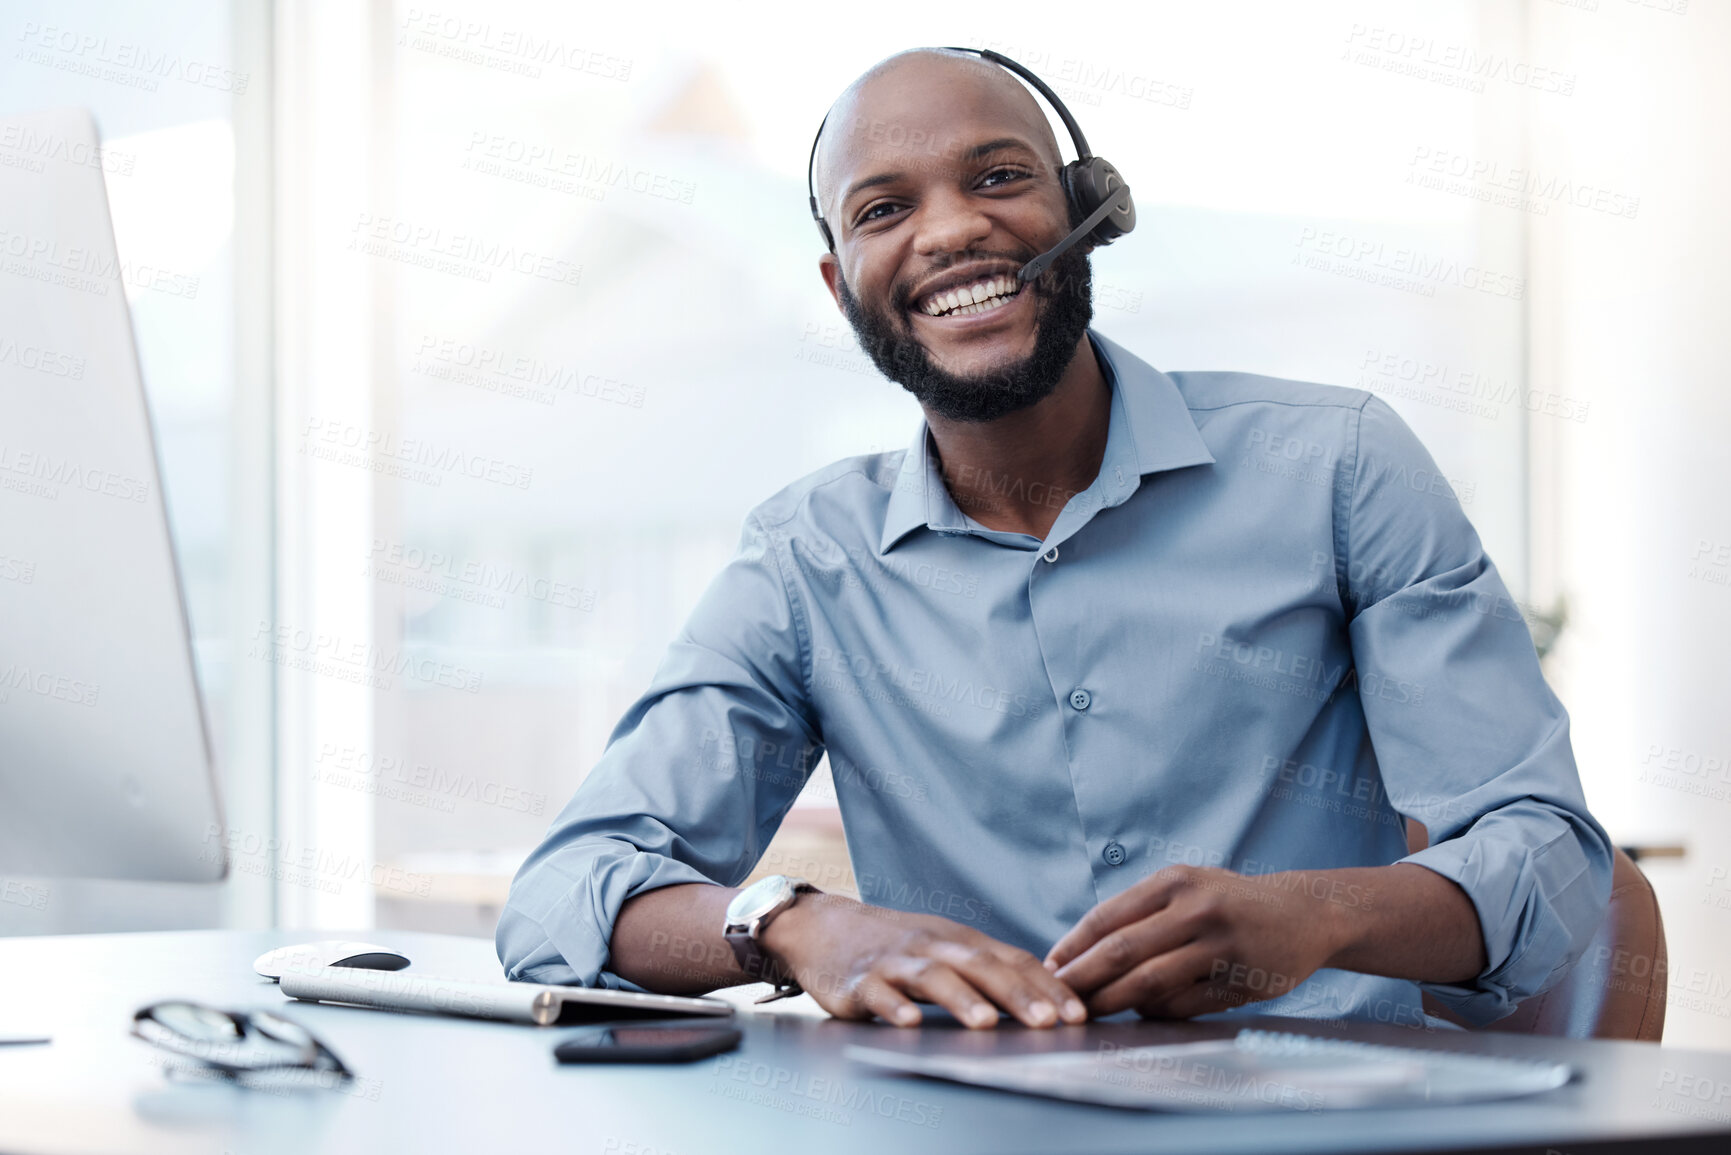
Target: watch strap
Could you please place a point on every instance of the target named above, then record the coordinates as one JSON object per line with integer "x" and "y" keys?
{"x": 757, "y": 962}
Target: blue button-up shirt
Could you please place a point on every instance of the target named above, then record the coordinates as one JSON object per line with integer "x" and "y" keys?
{"x": 1261, "y": 637}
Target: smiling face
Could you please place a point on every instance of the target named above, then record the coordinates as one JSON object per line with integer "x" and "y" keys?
{"x": 938, "y": 177}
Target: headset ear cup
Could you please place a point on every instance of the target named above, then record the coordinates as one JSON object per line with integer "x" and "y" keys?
{"x": 1072, "y": 193}
{"x": 1093, "y": 183}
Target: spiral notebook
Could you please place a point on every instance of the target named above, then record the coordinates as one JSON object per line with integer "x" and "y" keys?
{"x": 1256, "y": 1071}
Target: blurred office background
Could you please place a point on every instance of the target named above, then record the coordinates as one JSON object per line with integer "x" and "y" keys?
{"x": 569, "y": 248}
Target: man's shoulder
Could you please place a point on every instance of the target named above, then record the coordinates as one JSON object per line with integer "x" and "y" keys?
{"x": 854, "y": 488}
{"x": 1223, "y": 389}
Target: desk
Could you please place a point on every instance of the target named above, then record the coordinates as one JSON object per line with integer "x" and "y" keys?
{"x": 432, "y": 1084}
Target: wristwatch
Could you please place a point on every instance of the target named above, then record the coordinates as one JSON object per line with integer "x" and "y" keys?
{"x": 750, "y": 911}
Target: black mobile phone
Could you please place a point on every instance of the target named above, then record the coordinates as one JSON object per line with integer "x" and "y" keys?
{"x": 621, "y": 1044}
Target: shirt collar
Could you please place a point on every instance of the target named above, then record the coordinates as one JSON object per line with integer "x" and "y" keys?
{"x": 1150, "y": 429}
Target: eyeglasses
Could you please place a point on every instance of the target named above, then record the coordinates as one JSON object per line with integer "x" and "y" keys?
{"x": 235, "y": 1044}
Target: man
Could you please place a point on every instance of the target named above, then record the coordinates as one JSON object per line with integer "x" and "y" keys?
{"x": 1129, "y": 677}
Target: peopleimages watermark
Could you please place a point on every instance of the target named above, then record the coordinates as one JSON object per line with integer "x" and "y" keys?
{"x": 469, "y": 579}
{"x": 1293, "y": 458}
{"x": 1197, "y": 1080}
{"x": 517, "y": 374}
{"x": 360, "y": 663}
{"x": 459, "y": 254}
{"x": 283, "y": 860}
{"x": 832, "y": 346}
{"x": 121, "y": 62}
{"x": 1668, "y": 7}
{"x": 900, "y": 894}
{"x": 1360, "y": 796}
{"x": 30, "y": 895}
{"x": 1698, "y": 1096}
{"x": 809, "y": 1096}
{"x": 84, "y": 269}
{"x": 1718, "y": 892}
{"x": 409, "y": 458}
{"x": 785, "y": 764}
{"x": 1699, "y": 989}
{"x": 502, "y": 48}
{"x": 1453, "y": 65}
{"x": 1366, "y": 583}
{"x": 1687, "y": 771}
{"x": 1711, "y": 562}
{"x": 855, "y": 672}
{"x": 1327, "y": 1004}
{"x": 418, "y": 783}
{"x": 1511, "y": 186}
{"x": 1086, "y": 82}
{"x": 21, "y": 679}
{"x": 16, "y": 569}
{"x": 559, "y": 169}
{"x": 826, "y": 558}
{"x": 1392, "y": 374}
{"x": 41, "y": 359}
{"x": 42, "y": 474}
{"x": 1408, "y": 270}
{"x": 32, "y": 149}
{"x": 1302, "y": 675}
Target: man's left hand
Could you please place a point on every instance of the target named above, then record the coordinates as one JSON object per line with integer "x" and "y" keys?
{"x": 1189, "y": 940}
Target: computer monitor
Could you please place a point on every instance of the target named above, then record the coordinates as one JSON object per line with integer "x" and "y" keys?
{"x": 105, "y": 766}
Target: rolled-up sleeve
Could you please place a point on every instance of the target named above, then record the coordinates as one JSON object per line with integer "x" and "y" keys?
{"x": 694, "y": 781}
{"x": 1470, "y": 739}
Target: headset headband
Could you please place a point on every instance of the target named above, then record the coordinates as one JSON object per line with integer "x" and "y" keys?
{"x": 1076, "y": 137}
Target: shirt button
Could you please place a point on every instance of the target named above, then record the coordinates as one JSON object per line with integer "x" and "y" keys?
{"x": 1080, "y": 698}
{"x": 1050, "y": 555}
{"x": 1113, "y": 854}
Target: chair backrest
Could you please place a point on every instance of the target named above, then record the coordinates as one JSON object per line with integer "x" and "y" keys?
{"x": 1617, "y": 989}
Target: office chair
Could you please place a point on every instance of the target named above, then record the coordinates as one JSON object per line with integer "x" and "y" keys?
{"x": 1616, "y": 990}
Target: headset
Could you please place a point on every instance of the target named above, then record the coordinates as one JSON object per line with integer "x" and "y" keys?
{"x": 1093, "y": 189}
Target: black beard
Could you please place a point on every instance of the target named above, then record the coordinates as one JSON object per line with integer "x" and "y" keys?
{"x": 1064, "y": 304}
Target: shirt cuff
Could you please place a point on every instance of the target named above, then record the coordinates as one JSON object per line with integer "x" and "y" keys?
{"x": 1537, "y": 908}
{"x": 564, "y": 939}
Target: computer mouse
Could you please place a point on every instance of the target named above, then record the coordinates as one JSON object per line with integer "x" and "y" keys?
{"x": 330, "y": 953}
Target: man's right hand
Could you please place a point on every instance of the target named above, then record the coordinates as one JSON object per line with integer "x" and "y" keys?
{"x": 858, "y": 961}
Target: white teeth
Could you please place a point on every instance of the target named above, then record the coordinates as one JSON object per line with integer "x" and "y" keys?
{"x": 970, "y": 299}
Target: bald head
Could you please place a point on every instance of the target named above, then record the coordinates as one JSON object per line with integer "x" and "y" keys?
{"x": 906, "y": 104}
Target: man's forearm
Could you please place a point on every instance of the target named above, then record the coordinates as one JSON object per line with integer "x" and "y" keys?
{"x": 669, "y": 940}
{"x": 1416, "y": 925}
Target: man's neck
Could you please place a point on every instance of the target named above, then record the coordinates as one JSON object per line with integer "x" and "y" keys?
{"x": 1016, "y": 473}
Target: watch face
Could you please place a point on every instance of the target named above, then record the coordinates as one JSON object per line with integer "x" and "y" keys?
{"x": 758, "y": 899}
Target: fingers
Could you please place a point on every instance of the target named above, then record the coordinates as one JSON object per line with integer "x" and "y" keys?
{"x": 972, "y": 981}
{"x": 937, "y": 982}
{"x": 1139, "y": 901}
{"x": 884, "y": 966}
{"x": 1170, "y": 985}
{"x": 1123, "y": 950}
{"x": 878, "y": 997}
{"x": 1015, "y": 981}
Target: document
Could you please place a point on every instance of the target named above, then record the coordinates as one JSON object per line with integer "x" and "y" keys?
{"x": 1256, "y": 1071}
